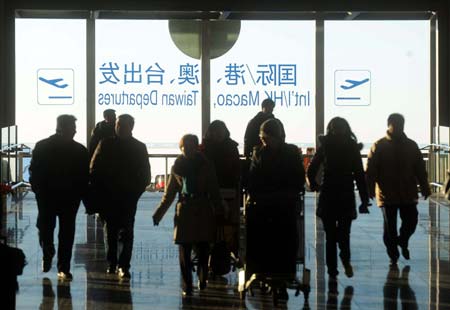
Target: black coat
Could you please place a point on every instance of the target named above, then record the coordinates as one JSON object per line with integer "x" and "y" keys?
{"x": 120, "y": 166}
{"x": 101, "y": 131}
{"x": 282, "y": 171}
{"x": 275, "y": 181}
{"x": 342, "y": 166}
{"x": 59, "y": 168}
{"x": 225, "y": 157}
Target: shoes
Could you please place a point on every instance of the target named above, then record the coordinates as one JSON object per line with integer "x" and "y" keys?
{"x": 393, "y": 262}
{"x": 112, "y": 269}
{"x": 348, "y": 270}
{"x": 186, "y": 293}
{"x": 47, "y": 263}
{"x": 124, "y": 273}
{"x": 201, "y": 285}
{"x": 65, "y": 276}
{"x": 405, "y": 253}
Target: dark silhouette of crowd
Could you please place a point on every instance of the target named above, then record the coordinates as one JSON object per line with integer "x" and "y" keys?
{"x": 206, "y": 181}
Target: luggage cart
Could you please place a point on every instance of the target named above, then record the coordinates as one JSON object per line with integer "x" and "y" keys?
{"x": 268, "y": 281}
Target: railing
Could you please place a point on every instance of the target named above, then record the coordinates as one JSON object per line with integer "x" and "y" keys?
{"x": 437, "y": 164}
{"x": 437, "y": 160}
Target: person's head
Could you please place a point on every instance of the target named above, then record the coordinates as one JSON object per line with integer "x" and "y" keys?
{"x": 267, "y": 105}
{"x": 338, "y": 126}
{"x": 124, "y": 125}
{"x": 109, "y": 115}
{"x": 217, "y": 131}
{"x": 65, "y": 126}
{"x": 189, "y": 145}
{"x": 396, "y": 124}
{"x": 270, "y": 133}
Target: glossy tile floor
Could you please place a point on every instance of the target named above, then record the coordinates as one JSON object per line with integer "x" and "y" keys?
{"x": 421, "y": 283}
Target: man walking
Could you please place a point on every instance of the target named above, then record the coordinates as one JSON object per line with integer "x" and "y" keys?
{"x": 394, "y": 167}
{"x": 120, "y": 172}
{"x": 103, "y": 129}
{"x": 59, "y": 173}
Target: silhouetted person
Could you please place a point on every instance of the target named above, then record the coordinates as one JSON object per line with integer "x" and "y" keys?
{"x": 120, "y": 172}
{"x": 13, "y": 261}
{"x": 251, "y": 137}
{"x": 339, "y": 154}
{"x": 194, "y": 179}
{"x": 223, "y": 152}
{"x": 396, "y": 283}
{"x": 394, "y": 168}
{"x": 276, "y": 178}
{"x": 59, "y": 173}
{"x": 103, "y": 129}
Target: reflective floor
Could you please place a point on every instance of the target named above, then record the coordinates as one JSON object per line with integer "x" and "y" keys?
{"x": 420, "y": 283}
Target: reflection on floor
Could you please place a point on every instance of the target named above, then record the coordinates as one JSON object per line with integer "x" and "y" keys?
{"x": 421, "y": 283}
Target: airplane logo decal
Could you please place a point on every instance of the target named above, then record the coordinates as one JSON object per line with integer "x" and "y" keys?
{"x": 352, "y": 87}
{"x": 53, "y": 82}
{"x": 55, "y": 86}
{"x": 354, "y": 83}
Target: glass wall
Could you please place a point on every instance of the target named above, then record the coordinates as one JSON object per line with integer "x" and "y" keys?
{"x": 50, "y": 76}
{"x": 151, "y": 70}
{"x": 273, "y": 59}
{"x": 140, "y": 71}
{"x": 375, "y": 68}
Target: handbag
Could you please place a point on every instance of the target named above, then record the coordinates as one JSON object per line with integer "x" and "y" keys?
{"x": 219, "y": 261}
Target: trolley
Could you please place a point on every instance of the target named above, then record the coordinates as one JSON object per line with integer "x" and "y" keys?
{"x": 271, "y": 281}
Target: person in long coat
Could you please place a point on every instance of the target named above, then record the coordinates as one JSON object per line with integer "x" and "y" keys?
{"x": 339, "y": 155}
{"x": 120, "y": 173}
{"x": 59, "y": 174}
{"x": 276, "y": 178}
{"x": 194, "y": 180}
{"x": 223, "y": 152}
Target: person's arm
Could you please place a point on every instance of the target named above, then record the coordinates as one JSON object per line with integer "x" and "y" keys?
{"x": 95, "y": 139}
{"x": 248, "y": 139}
{"x": 298, "y": 171}
{"x": 313, "y": 169}
{"x": 372, "y": 170}
{"x": 360, "y": 178}
{"x": 84, "y": 171}
{"x": 98, "y": 165}
{"x": 421, "y": 174}
{"x": 37, "y": 168}
{"x": 235, "y": 164}
{"x": 145, "y": 172}
{"x": 173, "y": 187}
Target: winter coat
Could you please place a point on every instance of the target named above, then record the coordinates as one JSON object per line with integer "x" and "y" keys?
{"x": 119, "y": 167}
{"x": 59, "y": 168}
{"x": 101, "y": 131}
{"x": 275, "y": 180}
{"x": 225, "y": 157}
{"x": 271, "y": 172}
{"x": 195, "y": 181}
{"x": 342, "y": 165}
{"x": 395, "y": 167}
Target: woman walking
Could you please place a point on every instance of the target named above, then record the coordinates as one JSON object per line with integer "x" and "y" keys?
{"x": 339, "y": 155}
